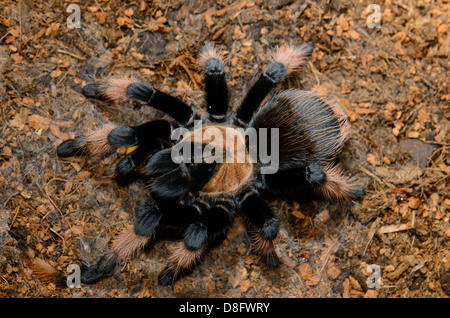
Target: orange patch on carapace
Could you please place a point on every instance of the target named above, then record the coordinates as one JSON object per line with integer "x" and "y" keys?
{"x": 236, "y": 168}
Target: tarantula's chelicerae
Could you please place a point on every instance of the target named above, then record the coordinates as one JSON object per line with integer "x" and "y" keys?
{"x": 201, "y": 170}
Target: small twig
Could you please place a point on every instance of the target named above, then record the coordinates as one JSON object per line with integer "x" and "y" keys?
{"x": 64, "y": 76}
{"x": 314, "y": 70}
{"x": 191, "y": 77}
{"x": 101, "y": 9}
{"x": 20, "y": 26}
{"x": 440, "y": 143}
{"x": 48, "y": 196}
{"x": 16, "y": 212}
{"x": 373, "y": 229}
{"x": 71, "y": 54}
{"x": 62, "y": 238}
{"x": 366, "y": 171}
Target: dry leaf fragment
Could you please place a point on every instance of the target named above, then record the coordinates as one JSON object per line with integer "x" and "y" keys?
{"x": 333, "y": 272}
{"x": 101, "y": 17}
{"x": 52, "y": 28}
{"x": 306, "y": 271}
{"x": 371, "y": 159}
{"x": 129, "y": 12}
{"x": 354, "y": 35}
{"x": 56, "y": 73}
{"x": 17, "y": 57}
{"x": 19, "y": 119}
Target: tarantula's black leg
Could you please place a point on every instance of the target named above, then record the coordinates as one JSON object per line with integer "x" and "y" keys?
{"x": 102, "y": 268}
{"x": 215, "y": 84}
{"x": 295, "y": 180}
{"x": 260, "y": 217}
{"x": 147, "y": 218}
{"x": 328, "y": 183}
{"x": 284, "y": 62}
{"x": 104, "y": 140}
{"x": 147, "y": 138}
{"x": 172, "y": 106}
{"x": 115, "y": 90}
{"x": 125, "y": 245}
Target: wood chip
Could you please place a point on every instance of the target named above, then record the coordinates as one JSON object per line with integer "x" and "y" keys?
{"x": 393, "y": 228}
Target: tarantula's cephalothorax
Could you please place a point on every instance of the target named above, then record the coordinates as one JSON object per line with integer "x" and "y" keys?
{"x": 199, "y": 198}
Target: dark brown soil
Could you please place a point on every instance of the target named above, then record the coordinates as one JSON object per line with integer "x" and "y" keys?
{"x": 392, "y": 82}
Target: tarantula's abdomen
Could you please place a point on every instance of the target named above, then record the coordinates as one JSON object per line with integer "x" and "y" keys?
{"x": 310, "y": 129}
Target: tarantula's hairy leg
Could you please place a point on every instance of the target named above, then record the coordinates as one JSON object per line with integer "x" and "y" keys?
{"x": 128, "y": 243}
{"x": 338, "y": 187}
{"x": 148, "y": 137}
{"x": 208, "y": 225}
{"x": 284, "y": 61}
{"x": 115, "y": 90}
{"x": 95, "y": 143}
{"x": 189, "y": 252}
{"x": 181, "y": 262}
{"x": 125, "y": 245}
{"x": 295, "y": 180}
{"x": 215, "y": 83}
{"x": 259, "y": 215}
{"x": 103, "y": 141}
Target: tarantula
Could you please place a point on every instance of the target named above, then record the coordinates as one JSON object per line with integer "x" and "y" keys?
{"x": 198, "y": 197}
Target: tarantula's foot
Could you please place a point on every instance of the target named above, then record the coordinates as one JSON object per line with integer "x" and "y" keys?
{"x": 71, "y": 147}
{"x": 270, "y": 229}
{"x": 171, "y": 274}
{"x": 104, "y": 267}
{"x": 272, "y": 259}
{"x": 266, "y": 248}
{"x": 357, "y": 192}
{"x": 113, "y": 90}
{"x": 315, "y": 175}
{"x": 94, "y": 143}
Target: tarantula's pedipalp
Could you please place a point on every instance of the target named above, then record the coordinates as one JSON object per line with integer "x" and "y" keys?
{"x": 149, "y": 138}
{"x": 196, "y": 199}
